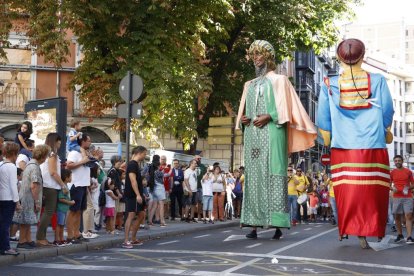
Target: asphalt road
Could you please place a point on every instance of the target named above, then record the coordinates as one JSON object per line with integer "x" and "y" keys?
{"x": 306, "y": 249}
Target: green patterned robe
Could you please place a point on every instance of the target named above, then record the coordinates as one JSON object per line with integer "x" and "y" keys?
{"x": 265, "y": 159}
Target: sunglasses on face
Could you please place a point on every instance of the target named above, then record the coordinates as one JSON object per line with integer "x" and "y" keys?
{"x": 290, "y": 170}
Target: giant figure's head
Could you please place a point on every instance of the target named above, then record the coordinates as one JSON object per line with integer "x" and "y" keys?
{"x": 263, "y": 55}
{"x": 351, "y": 51}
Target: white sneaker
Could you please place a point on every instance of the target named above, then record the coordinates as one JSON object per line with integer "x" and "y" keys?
{"x": 89, "y": 235}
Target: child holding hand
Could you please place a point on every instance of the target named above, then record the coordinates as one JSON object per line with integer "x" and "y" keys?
{"x": 64, "y": 201}
{"x": 109, "y": 211}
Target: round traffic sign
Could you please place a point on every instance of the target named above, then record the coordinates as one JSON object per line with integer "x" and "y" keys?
{"x": 325, "y": 159}
{"x": 137, "y": 87}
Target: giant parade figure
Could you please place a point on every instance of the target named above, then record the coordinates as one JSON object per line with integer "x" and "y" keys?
{"x": 355, "y": 112}
{"x": 274, "y": 124}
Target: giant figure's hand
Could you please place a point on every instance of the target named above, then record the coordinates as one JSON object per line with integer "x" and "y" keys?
{"x": 388, "y": 136}
{"x": 326, "y": 135}
{"x": 245, "y": 121}
{"x": 261, "y": 120}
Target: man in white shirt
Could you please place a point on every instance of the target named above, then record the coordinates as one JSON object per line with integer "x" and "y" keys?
{"x": 190, "y": 190}
{"x": 81, "y": 179}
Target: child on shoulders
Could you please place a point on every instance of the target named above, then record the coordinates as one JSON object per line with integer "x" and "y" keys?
{"x": 23, "y": 134}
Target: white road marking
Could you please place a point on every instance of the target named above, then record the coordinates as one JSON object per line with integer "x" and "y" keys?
{"x": 227, "y": 231}
{"x": 202, "y": 236}
{"x": 170, "y": 271}
{"x": 230, "y": 270}
{"x": 294, "y": 233}
{"x": 235, "y": 237}
{"x": 318, "y": 225}
{"x": 307, "y": 229}
{"x": 301, "y": 242}
{"x": 269, "y": 255}
{"x": 266, "y": 231}
{"x": 243, "y": 237}
{"x": 253, "y": 245}
{"x": 384, "y": 244}
{"x": 162, "y": 243}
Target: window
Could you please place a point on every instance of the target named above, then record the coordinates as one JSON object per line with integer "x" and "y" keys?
{"x": 401, "y": 129}
{"x": 409, "y": 128}
{"x": 408, "y": 107}
{"x": 401, "y": 149}
{"x": 395, "y": 148}
{"x": 301, "y": 58}
{"x": 401, "y": 108}
{"x": 395, "y": 128}
{"x": 409, "y": 148}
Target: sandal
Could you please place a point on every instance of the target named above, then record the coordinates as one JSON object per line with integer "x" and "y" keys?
{"x": 163, "y": 225}
{"x": 44, "y": 243}
{"x": 10, "y": 252}
{"x": 363, "y": 242}
{"x": 343, "y": 237}
{"x": 136, "y": 242}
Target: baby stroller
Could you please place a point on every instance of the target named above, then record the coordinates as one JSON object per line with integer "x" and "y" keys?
{"x": 228, "y": 208}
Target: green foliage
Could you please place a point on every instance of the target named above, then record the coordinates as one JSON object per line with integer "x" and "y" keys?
{"x": 190, "y": 53}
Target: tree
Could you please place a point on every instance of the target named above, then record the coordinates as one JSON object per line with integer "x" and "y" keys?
{"x": 190, "y": 53}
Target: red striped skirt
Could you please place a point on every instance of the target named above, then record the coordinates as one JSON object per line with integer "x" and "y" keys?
{"x": 361, "y": 180}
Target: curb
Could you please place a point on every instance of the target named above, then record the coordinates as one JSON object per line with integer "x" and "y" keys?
{"x": 99, "y": 245}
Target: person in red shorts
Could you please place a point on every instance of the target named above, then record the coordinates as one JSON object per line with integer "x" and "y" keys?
{"x": 402, "y": 184}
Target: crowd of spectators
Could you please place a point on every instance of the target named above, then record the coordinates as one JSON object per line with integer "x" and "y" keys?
{"x": 79, "y": 197}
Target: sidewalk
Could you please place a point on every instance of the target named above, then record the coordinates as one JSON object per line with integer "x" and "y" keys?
{"x": 104, "y": 240}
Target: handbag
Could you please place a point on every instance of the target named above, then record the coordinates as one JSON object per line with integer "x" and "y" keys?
{"x": 302, "y": 199}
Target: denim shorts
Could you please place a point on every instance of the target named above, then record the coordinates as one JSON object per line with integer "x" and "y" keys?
{"x": 159, "y": 193}
{"x": 61, "y": 218}
{"x": 207, "y": 203}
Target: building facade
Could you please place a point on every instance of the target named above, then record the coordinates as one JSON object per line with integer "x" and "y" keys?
{"x": 310, "y": 71}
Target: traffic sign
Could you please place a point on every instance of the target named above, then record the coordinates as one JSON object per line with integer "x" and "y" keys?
{"x": 136, "y": 110}
{"x": 137, "y": 87}
{"x": 325, "y": 159}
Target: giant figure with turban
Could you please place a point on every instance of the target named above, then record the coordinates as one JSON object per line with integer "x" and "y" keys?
{"x": 355, "y": 113}
{"x": 274, "y": 124}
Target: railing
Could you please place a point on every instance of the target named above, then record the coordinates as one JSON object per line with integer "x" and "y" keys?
{"x": 13, "y": 99}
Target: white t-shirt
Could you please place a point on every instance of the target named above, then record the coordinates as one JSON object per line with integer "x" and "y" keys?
{"x": 192, "y": 178}
{"x": 81, "y": 176}
{"x": 20, "y": 158}
{"x": 207, "y": 187}
{"x": 8, "y": 182}
{"x": 110, "y": 202}
{"x": 218, "y": 184}
{"x": 48, "y": 180}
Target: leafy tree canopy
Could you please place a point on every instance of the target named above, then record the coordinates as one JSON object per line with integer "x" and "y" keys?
{"x": 190, "y": 53}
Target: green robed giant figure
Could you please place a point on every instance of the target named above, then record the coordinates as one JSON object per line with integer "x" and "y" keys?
{"x": 274, "y": 125}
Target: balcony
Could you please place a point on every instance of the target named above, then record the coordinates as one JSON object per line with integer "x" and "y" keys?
{"x": 13, "y": 99}
{"x": 323, "y": 57}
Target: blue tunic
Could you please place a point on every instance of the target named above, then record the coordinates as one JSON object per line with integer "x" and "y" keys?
{"x": 359, "y": 128}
